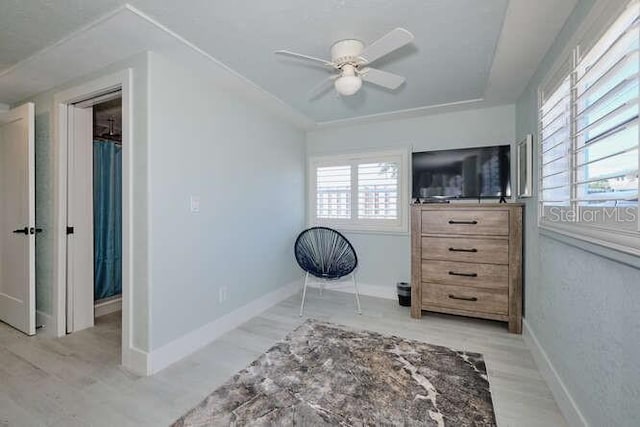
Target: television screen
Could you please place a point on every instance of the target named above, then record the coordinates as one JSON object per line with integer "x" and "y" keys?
{"x": 483, "y": 172}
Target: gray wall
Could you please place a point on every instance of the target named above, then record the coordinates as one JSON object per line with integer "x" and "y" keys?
{"x": 385, "y": 258}
{"x": 580, "y": 304}
{"x": 45, "y": 168}
{"x": 247, "y": 167}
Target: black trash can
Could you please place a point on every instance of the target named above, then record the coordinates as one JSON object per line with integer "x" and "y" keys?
{"x": 404, "y": 294}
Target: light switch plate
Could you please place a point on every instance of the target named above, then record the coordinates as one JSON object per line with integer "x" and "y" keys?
{"x": 195, "y": 204}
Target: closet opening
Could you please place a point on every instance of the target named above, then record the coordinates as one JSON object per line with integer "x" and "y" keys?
{"x": 74, "y": 292}
{"x": 94, "y": 213}
{"x": 107, "y": 207}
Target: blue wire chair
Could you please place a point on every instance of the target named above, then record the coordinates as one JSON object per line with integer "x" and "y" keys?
{"x": 326, "y": 254}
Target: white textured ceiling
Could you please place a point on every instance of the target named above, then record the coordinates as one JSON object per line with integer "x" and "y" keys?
{"x": 464, "y": 49}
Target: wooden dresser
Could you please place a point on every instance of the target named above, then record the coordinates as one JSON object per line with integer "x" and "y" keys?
{"x": 466, "y": 259}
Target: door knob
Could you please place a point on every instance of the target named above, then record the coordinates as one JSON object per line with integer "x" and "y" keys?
{"x": 22, "y": 230}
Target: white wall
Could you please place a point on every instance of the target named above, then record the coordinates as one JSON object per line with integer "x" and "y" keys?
{"x": 385, "y": 259}
{"x": 247, "y": 167}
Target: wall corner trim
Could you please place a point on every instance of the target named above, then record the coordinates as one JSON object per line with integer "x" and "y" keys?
{"x": 567, "y": 405}
{"x": 193, "y": 341}
{"x": 136, "y": 361}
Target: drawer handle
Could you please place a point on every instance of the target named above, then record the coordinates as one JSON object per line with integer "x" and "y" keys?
{"x": 463, "y": 298}
{"x": 453, "y": 273}
{"x": 474, "y": 222}
{"x": 462, "y": 250}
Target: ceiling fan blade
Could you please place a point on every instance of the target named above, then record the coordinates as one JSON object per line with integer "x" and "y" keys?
{"x": 322, "y": 87}
{"x": 386, "y": 44}
{"x": 381, "y": 78}
{"x": 306, "y": 57}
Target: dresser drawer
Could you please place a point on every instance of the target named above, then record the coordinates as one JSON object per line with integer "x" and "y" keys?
{"x": 463, "y": 249}
{"x": 466, "y": 274}
{"x": 459, "y": 221}
{"x": 466, "y": 298}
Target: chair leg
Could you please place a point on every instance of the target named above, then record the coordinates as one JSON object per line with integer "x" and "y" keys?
{"x": 355, "y": 286}
{"x": 304, "y": 293}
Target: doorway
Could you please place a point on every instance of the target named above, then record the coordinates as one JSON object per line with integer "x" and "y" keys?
{"x": 94, "y": 210}
{"x": 73, "y": 121}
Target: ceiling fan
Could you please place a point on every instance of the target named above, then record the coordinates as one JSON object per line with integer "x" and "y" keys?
{"x": 351, "y": 59}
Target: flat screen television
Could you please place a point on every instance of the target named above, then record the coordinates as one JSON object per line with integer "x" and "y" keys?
{"x": 483, "y": 172}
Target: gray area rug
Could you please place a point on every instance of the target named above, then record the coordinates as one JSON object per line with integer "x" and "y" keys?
{"x": 325, "y": 374}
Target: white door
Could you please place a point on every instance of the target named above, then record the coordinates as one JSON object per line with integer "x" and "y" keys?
{"x": 80, "y": 288}
{"x": 17, "y": 219}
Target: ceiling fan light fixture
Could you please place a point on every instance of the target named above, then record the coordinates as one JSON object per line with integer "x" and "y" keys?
{"x": 351, "y": 59}
{"x": 348, "y": 85}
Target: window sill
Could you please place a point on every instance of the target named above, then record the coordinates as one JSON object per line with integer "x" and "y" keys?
{"x": 354, "y": 229}
{"x": 596, "y": 242}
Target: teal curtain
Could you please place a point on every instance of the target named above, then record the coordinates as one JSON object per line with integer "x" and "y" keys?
{"x": 107, "y": 219}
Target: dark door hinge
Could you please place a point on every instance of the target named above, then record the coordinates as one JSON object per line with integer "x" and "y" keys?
{"x": 70, "y": 230}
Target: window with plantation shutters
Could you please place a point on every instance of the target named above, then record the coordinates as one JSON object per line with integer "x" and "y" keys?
{"x": 365, "y": 191}
{"x": 589, "y": 138}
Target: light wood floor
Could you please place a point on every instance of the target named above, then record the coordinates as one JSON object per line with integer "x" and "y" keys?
{"x": 76, "y": 381}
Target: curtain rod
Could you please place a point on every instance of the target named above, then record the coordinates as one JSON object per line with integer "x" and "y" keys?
{"x": 108, "y": 96}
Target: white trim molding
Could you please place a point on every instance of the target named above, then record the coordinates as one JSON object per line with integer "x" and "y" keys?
{"x": 565, "y": 401}
{"x": 406, "y": 113}
{"x": 628, "y": 243}
{"x": 193, "y": 341}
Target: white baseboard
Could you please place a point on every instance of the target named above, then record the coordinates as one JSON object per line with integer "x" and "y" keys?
{"x": 44, "y": 323}
{"x": 136, "y": 361}
{"x": 563, "y": 398}
{"x": 363, "y": 288}
{"x": 109, "y": 306}
{"x": 172, "y": 352}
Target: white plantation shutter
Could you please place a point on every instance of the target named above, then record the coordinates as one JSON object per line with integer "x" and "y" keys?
{"x": 590, "y": 137}
{"x": 555, "y": 147}
{"x": 367, "y": 191}
{"x": 378, "y": 188}
{"x": 606, "y": 118}
{"x": 333, "y": 192}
